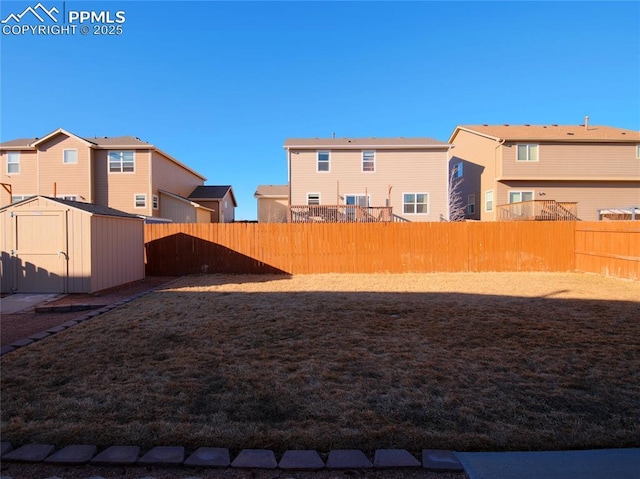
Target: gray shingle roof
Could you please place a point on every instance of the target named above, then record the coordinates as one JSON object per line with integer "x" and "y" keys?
{"x": 272, "y": 191}
{"x": 399, "y": 142}
{"x": 94, "y": 209}
{"x": 209, "y": 192}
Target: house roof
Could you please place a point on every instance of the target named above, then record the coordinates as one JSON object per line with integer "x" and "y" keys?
{"x": 212, "y": 193}
{"x": 272, "y": 191}
{"x": 186, "y": 200}
{"x": 563, "y": 133}
{"x": 88, "y": 207}
{"x": 359, "y": 143}
{"x": 97, "y": 142}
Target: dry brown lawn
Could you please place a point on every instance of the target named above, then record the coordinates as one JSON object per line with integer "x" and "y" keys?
{"x": 498, "y": 361}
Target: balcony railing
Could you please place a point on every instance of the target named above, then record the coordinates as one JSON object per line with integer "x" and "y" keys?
{"x": 340, "y": 214}
{"x": 539, "y": 210}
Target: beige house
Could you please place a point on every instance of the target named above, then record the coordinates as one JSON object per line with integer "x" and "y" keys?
{"x": 124, "y": 173}
{"x": 545, "y": 171}
{"x": 53, "y": 245}
{"x": 219, "y": 199}
{"x": 273, "y": 203}
{"x": 367, "y": 179}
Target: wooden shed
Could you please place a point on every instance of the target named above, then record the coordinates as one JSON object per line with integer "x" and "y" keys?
{"x": 52, "y": 245}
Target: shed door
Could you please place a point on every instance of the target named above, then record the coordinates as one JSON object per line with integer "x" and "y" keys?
{"x": 40, "y": 254}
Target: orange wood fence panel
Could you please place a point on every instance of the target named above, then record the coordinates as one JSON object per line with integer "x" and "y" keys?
{"x": 609, "y": 248}
{"x": 303, "y": 248}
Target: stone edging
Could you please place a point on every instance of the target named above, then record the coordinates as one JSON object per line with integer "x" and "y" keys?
{"x": 216, "y": 457}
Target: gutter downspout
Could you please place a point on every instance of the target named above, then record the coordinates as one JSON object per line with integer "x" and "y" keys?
{"x": 289, "y": 181}
{"x": 495, "y": 175}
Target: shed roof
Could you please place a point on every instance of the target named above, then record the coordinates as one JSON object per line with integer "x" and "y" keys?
{"x": 562, "y": 133}
{"x": 360, "y": 143}
{"x": 272, "y": 191}
{"x": 88, "y": 207}
{"x": 212, "y": 193}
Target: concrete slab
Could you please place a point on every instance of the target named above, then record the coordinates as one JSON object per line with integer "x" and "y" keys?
{"x": 395, "y": 458}
{"x": 6, "y": 349}
{"x": 209, "y": 457}
{"x": 21, "y": 343}
{"x": 301, "y": 460}
{"x": 14, "y": 303}
{"x": 163, "y": 455}
{"x": 440, "y": 460}
{"x": 593, "y": 464}
{"x": 76, "y": 454}
{"x": 119, "y": 455}
{"x": 30, "y": 453}
{"x": 255, "y": 459}
{"x": 56, "y": 329}
{"x": 39, "y": 336}
{"x": 347, "y": 459}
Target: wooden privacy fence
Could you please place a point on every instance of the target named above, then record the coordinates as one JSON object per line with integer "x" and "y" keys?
{"x": 605, "y": 248}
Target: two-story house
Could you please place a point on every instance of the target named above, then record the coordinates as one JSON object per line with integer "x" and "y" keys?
{"x": 367, "y": 179}
{"x": 124, "y": 173}
{"x": 545, "y": 171}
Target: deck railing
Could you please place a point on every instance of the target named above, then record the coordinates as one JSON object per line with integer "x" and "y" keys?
{"x": 340, "y": 214}
{"x": 539, "y": 210}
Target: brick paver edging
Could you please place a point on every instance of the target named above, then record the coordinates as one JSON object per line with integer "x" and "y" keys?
{"x": 21, "y": 343}
{"x": 217, "y": 457}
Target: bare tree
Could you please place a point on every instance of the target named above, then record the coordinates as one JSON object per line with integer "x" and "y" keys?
{"x": 456, "y": 203}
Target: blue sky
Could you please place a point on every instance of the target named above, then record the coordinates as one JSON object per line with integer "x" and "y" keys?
{"x": 221, "y": 85}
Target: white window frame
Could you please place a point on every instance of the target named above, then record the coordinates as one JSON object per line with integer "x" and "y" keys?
{"x": 520, "y": 192}
{"x": 371, "y": 161}
{"x": 327, "y": 161}
{"x": 13, "y": 159}
{"x": 471, "y": 204}
{"x": 121, "y": 161}
{"x": 136, "y": 197}
{"x": 528, "y": 147}
{"x": 638, "y": 151}
{"x": 16, "y": 198}
{"x": 68, "y": 197}
{"x": 459, "y": 170}
{"x": 309, "y": 199}
{"x": 155, "y": 199}
{"x": 415, "y": 203}
{"x": 64, "y": 156}
{"x": 488, "y": 202}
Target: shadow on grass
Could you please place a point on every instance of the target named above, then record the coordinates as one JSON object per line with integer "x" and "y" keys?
{"x": 322, "y": 370}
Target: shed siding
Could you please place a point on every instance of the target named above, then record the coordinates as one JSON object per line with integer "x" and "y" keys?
{"x": 568, "y": 161}
{"x": 117, "y": 255}
{"x": 272, "y": 210}
{"x": 401, "y": 171}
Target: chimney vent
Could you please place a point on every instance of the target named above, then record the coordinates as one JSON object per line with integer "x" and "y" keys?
{"x": 586, "y": 122}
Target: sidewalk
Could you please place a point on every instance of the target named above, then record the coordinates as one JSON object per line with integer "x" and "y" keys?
{"x": 594, "y": 464}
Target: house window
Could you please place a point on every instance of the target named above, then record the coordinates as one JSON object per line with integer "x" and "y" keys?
{"x": 13, "y": 162}
{"x": 488, "y": 200}
{"x": 156, "y": 202}
{"x": 323, "y": 160}
{"x": 368, "y": 161}
{"x": 313, "y": 198}
{"x": 140, "y": 201}
{"x": 519, "y": 196}
{"x": 16, "y": 198}
{"x": 527, "y": 153}
{"x": 121, "y": 162}
{"x": 471, "y": 204}
{"x": 68, "y": 197}
{"x": 459, "y": 170}
{"x": 69, "y": 157}
{"x": 415, "y": 203}
{"x": 638, "y": 151}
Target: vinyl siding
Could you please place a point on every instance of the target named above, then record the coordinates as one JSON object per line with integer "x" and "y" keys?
{"x": 23, "y": 183}
{"x": 566, "y": 161}
{"x": 176, "y": 210}
{"x": 396, "y": 172}
{"x": 60, "y": 179}
{"x": 272, "y": 210}
{"x": 590, "y": 196}
{"x": 168, "y": 176}
{"x": 118, "y": 190}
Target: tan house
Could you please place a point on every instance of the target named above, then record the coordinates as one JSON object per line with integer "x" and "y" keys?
{"x": 124, "y": 173}
{"x": 219, "y": 199}
{"x": 273, "y": 203}
{"x": 548, "y": 172}
{"x": 367, "y": 179}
